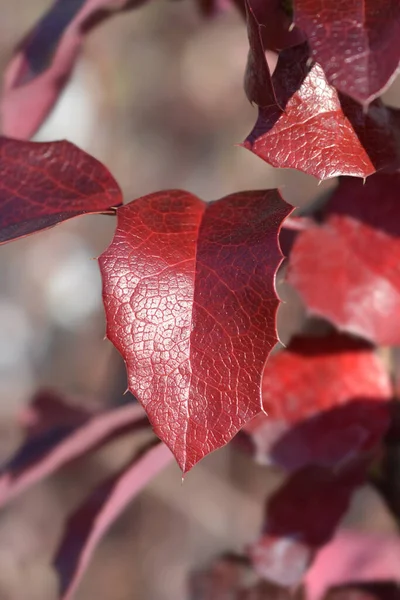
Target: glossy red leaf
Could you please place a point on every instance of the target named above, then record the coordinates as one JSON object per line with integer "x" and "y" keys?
{"x": 326, "y": 402}
{"x": 86, "y": 527}
{"x": 48, "y": 447}
{"x": 43, "y": 61}
{"x": 317, "y": 131}
{"x": 300, "y": 517}
{"x": 43, "y": 184}
{"x": 357, "y": 247}
{"x": 355, "y": 42}
{"x": 354, "y": 557}
{"x": 190, "y": 301}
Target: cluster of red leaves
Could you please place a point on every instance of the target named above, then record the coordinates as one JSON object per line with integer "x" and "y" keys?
{"x": 189, "y": 287}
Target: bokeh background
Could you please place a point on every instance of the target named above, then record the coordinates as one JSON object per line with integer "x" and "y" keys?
{"x": 157, "y": 97}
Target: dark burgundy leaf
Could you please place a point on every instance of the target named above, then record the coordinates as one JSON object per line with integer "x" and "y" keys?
{"x": 354, "y": 557}
{"x": 190, "y": 302}
{"x": 356, "y": 43}
{"x": 50, "y": 447}
{"x": 258, "y": 82}
{"x": 276, "y": 20}
{"x": 326, "y": 402}
{"x": 357, "y": 248}
{"x": 300, "y": 517}
{"x": 378, "y": 591}
{"x": 316, "y": 130}
{"x": 44, "y": 184}
{"x": 86, "y": 527}
{"x": 44, "y": 60}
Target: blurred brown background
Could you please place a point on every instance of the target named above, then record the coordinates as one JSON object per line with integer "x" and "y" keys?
{"x": 157, "y": 97}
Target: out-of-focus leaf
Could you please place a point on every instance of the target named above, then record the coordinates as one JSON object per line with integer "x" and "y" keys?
{"x": 300, "y": 517}
{"x": 231, "y": 578}
{"x": 354, "y": 557}
{"x": 354, "y": 254}
{"x": 43, "y": 184}
{"x": 372, "y": 591}
{"x": 43, "y": 61}
{"x": 326, "y": 401}
{"x": 315, "y": 130}
{"x": 86, "y": 527}
{"x": 355, "y": 42}
{"x": 69, "y": 434}
{"x": 190, "y": 301}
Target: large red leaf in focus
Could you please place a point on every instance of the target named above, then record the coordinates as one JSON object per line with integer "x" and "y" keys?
{"x": 326, "y": 402}
{"x": 86, "y": 527}
{"x": 358, "y": 248}
{"x": 43, "y": 184}
{"x": 301, "y": 516}
{"x": 43, "y": 61}
{"x": 355, "y": 42}
{"x": 190, "y": 302}
{"x": 56, "y": 434}
{"x": 354, "y": 557}
{"x": 315, "y": 130}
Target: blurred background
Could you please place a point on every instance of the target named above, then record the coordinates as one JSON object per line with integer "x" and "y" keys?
{"x": 158, "y": 98}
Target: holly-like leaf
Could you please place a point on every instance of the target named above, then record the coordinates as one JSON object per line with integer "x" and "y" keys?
{"x": 49, "y": 446}
{"x": 315, "y": 130}
{"x": 354, "y": 557}
{"x": 326, "y": 402}
{"x": 356, "y": 43}
{"x": 43, "y": 61}
{"x": 43, "y": 184}
{"x": 357, "y": 248}
{"x": 300, "y": 517}
{"x": 190, "y": 302}
{"x": 86, "y": 527}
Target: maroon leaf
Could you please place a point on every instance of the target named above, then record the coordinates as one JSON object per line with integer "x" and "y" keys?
{"x": 90, "y": 522}
{"x": 357, "y": 247}
{"x": 354, "y": 557}
{"x": 44, "y": 60}
{"x": 190, "y": 302}
{"x": 276, "y": 20}
{"x": 317, "y": 131}
{"x": 326, "y": 402}
{"x": 44, "y": 184}
{"x": 302, "y": 516}
{"x": 356, "y": 43}
{"x": 258, "y": 82}
{"x": 50, "y": 448}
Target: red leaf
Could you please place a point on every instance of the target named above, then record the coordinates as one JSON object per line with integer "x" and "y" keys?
{"x": 43, "y": 61}
{"x": 318, "y": 131}
{"x": 258, "y": 82}
{"x": 277, "y": 27}
{"x": 50, "y": 448}
{"x": 300, "y": 517}
{"x": 90, "y": 522}
{"x": 44, "y": 184}
{"x": 356, "y": 43}
{"x": 190, "y": 303}
{"x": 354, "y": 557}
{"x": 326, "y": 402}
{"x": 357, "y": 247}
